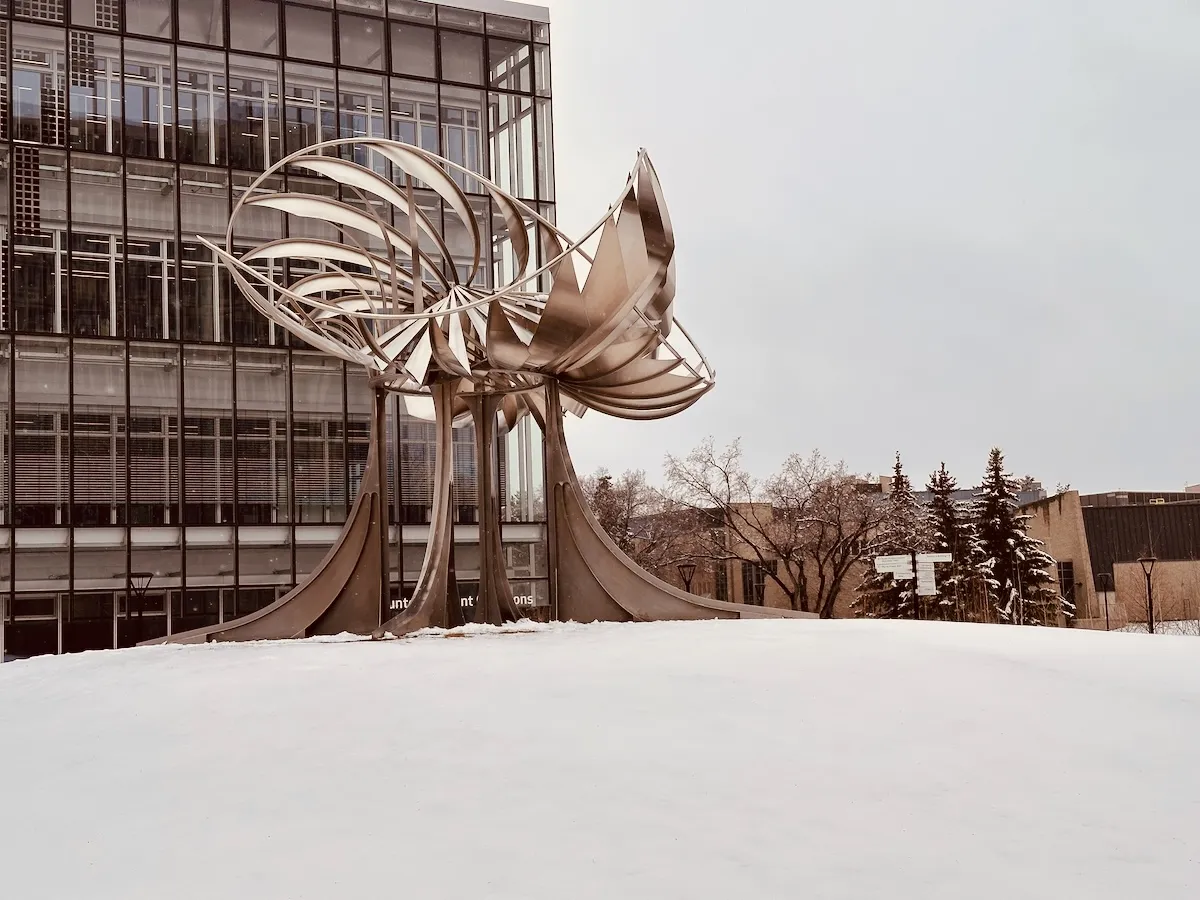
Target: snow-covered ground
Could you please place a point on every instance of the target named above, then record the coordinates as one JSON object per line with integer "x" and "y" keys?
{"x": 714, "y": 759}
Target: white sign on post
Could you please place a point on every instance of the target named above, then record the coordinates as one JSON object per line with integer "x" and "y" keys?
{"x": 899, "y": 567}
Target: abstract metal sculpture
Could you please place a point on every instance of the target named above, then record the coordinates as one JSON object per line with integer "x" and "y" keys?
{"x": 392, "y": 297}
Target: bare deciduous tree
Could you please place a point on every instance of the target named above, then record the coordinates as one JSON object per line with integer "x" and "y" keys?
{"x": 642, "y": 522}
{"x": 806, "y": 525}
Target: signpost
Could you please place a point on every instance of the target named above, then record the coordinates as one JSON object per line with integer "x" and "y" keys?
{"x": 904, "y": 566}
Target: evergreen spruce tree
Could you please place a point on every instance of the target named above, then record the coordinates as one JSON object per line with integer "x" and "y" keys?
{"x": 880, "y": 596}
{"x": 1021, "y": 587}
{"x": 951, "y": 528}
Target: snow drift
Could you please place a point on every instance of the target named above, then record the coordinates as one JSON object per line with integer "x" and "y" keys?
{"x": 707, "y": 759}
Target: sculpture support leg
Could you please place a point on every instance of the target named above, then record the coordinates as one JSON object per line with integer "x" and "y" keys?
{"x": 493, "y": 601}
{"x": 347, "y": 590}
{"x": 594, "y": 579}
{"x": 435, "y": 602}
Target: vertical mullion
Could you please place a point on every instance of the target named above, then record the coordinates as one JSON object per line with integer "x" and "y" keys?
{"x": 64, "y": 307}
{"x": 345, "y": 448}
{"x": 291, "y": 458}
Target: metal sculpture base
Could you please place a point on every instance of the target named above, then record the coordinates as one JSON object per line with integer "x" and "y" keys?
{"x": 494, "y": 600}
{"x": 594, "y": 579}
{"x": 435, "y": 602}
{"x": 347, "y": 590}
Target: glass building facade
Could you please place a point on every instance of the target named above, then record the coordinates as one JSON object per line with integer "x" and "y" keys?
{"x": 169, "y": 458}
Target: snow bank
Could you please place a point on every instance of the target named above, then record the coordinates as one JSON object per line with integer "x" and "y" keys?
{"x": 712, "y": 759}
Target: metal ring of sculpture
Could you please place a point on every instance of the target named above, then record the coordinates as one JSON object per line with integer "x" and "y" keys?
{"x": 389, "y": 295}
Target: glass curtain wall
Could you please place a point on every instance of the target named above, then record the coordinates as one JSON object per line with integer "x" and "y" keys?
{"x": 168, "y": 458}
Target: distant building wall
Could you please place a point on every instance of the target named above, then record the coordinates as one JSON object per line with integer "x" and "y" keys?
{"x": 1100, "y": 536}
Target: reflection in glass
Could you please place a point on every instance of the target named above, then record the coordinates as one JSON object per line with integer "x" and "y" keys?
{"x": 362, "y": 114}
{"x": 95, "y": 100}
{"x": 309, "y": 34}
{"x": 149, "y": 17}
{"x": 545, "y": 150}
{"x": 199, "y": 310}
{"x": 309, "y": 112}
{"x": 261, "y": 438}
{"x": 254, "y": 125}
{"x": 38, "y": 84}
{"x": 413, "y": 50}
{"x": 412, "y": 11}
{"x": 207, "y": 437}
{"x": 153, "y": 434}
{"x": 462, "y": 133}
{"x": 318, "y": 449}
{"x": 99, "y": 436}
{"x": 96, "y": 14}
{"x": 541, "y": 69}
{"x": 511, "y": 128}
{"x": 466, "y": 19}
{"x": 522, "y": 473}
{"x": 256, "y": 225}
{"x": 151, "y": 309}
{"x": 203, "y": 115}
{"x": 40, "y": 446}
{"x": 508, "y": 27}
{"x": 149, "y": 101}
{"x": 414, "y": 113}
{"x": 204, "y": 210}
{"x": 96, "y": 239}
{"x": 202, "y": 22}
{"x": 254, "y": 25}
{"x": 462, "y": 57}
{"x": 361, "y": 41}
{"x": 358, "y": 427}
{"x": 509, "y": 66}
{"x": 39, "y": 239}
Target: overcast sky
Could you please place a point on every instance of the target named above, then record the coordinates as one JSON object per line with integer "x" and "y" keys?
{"x": 932, "y": 227}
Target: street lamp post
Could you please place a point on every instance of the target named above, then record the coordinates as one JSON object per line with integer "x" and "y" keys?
{"x": 139, "y": 581}
{"x": 1105, "y": 582}
{"x": 686, "y": 572}
{"x": 1148, "y": 567}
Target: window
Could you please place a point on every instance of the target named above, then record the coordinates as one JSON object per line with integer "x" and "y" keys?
{"x": 150, "y": 17}
{"x": 462, "y": 133}
{"x": 96, "y": 205}
{"x": 202, "y": 106}
{"x": 361, "y": 42}
{"x": 95, "y": 93}
{"x": 414, "y": 114}
{"x": 1066, "y": 581}
{"x": 411, "y": 11}
{"x": 99, "y": 433}
{"x": 38, "y": 84}
{"x": 721, "y": 580}
{"x": 255, "y": 133}
{"x": 754, "y": 582}
{"x": 310, "y": 115}
{"x": 510, "y": 125}
{"x": 462, "y": 57}
{"x": 202, "y": 22}
{"x": 149, "y": 104}
{"x": 362, "y": 112}
{"x": 254, "y": 26}
{"x": 513, "y": 28}
{"x": 96, "y": 13}
{"x": 509, "y": 66}
{"x": 309, "y": 34}
{"x": 413, "y": 50}
{"x": 466, "y": 19}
